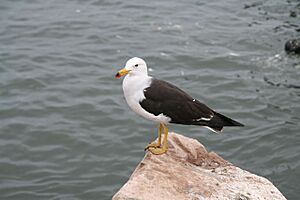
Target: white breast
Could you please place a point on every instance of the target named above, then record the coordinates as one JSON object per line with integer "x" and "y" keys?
{"x": 133, "y": 87}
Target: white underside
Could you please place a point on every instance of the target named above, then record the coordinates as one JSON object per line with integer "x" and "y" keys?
{"x": 133, "y": 88}
{"x": 212, "y": 129}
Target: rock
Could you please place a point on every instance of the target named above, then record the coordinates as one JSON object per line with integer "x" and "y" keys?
{"x": 188, "y": 172}
{"x": 292, "y": 46}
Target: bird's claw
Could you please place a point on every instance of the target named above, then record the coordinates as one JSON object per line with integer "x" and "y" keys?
{"x": 158, "y": 150}
{"x": 153, "y": 144}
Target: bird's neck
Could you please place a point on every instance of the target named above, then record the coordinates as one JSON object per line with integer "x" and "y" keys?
{"x": 135, "y": 83}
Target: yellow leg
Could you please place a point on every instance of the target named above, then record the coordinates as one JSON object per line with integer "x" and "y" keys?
{"x": 159, "y": 133}
{"x": 164, "y": 148}
{"x": 155, "y": 144}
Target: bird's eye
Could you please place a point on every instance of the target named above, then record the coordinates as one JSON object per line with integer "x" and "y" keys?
{"x": 136, "y": 65}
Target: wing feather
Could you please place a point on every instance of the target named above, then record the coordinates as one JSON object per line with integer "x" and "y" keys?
{"x": 163, "y": 97}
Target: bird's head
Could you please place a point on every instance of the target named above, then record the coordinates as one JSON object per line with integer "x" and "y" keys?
{"x": 134, "y": 66}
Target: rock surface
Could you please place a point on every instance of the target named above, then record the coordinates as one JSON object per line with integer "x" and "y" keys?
{"x": 188, "y": 172}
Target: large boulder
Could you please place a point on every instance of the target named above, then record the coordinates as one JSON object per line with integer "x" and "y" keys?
{"x": 188, "y": 172}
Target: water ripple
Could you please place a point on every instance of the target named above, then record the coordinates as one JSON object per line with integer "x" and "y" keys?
{"x": 65, "y": 129}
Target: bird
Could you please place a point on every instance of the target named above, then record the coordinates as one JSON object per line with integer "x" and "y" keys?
{"x": 164, "y": 103}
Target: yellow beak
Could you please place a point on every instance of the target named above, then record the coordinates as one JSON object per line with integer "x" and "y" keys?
{"x": 121, "y": 73}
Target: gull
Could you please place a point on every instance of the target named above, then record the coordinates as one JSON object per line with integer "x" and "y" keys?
{"x": 164, "y": 103}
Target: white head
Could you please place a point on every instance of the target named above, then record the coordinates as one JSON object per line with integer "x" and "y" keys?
{"x": 134, "y": 66}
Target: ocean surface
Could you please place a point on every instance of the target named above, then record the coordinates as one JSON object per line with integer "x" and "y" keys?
{"x": 65, "y": 129}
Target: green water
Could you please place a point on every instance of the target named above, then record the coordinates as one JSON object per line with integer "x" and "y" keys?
{"x": 65, "y": 129}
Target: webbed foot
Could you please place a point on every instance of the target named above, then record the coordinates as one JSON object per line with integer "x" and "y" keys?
{"x": 153, "y": 144}
{"x": 158, "y": 150}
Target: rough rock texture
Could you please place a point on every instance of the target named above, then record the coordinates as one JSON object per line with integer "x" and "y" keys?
{"x": 188, "y": 172}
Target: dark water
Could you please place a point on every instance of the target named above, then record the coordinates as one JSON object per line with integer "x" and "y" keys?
{"x": 65, "y": 129}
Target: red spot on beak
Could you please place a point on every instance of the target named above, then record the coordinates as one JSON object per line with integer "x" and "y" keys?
{"x": 118, "y": 75}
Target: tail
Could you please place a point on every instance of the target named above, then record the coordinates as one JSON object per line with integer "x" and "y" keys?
{"x": 218, "y": 122}
{"x": 226, "y": 120}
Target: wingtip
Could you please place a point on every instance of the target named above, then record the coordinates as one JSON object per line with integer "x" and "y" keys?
{"x": 238, "y": 124}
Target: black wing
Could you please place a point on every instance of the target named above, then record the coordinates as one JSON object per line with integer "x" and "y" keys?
{"x": 163, "y": 97}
